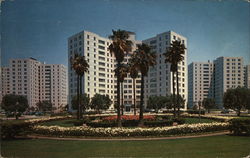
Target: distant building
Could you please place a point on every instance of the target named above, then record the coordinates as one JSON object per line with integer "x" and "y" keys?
{"x": 247, "y": 76}
{"x": 35, "y": 80}
{"x": 200, "y": 82}
{"x": 159, "y": 79}
{"x": 100, "y": 77}
{"x": 212, "y": 79}
{"x": 228, "y": 74}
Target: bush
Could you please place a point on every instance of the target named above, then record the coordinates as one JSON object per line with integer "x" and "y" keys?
{"x": 196, "y": 112}
{"x": 103, "y": 124}
{"x": 240, "y": 126}
{"x": 127, "y": 132}
{"x": 159, "y": 123}
{"x": 11, "y": 129}
{"x": 179, "y": 120}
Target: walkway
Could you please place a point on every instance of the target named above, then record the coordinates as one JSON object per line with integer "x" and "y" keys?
{"x": 129, "y": 139}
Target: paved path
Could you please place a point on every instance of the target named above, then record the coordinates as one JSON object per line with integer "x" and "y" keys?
{"x": 129, "y": 139}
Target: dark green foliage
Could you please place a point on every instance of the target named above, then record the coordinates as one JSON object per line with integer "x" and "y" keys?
{"x": 84, "y": 102}
{"x": 100, "y": 102}
{"x": 159, "y": 123}
{"x": 202, "y": 112}
{"x": 44, "y": 106}
{"x": 237, "y": 99}
{"x": 11, "y": 129}
{"x": 240, "y": 126}
{"x": 208, "y": 103}
{"x": 14, "y": 103}
{"x": 158, "y": 102}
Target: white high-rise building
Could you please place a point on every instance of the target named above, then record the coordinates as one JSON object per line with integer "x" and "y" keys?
{"x": 100, "y": 77}
{"x": 53, "y": 84}
{"x": 228, "y": 74}
{"x": 159, "y": 80}
{"x": 200, "y": 82}
{"x": 247, "y": 76}
{"x": 31, "y": 78}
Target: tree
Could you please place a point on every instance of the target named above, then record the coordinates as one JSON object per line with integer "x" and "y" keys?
{"x": 84, "y": 101}
{"x": 133, "y": 74}
{"x": 14, "y": 103}
{"x": 80, "y": 65}
{"x": 44, "y": 106}
{"x": 208, "y": 104}
{"x": 100, "y": 102}
{"x": 157, "y": 102}
{"x": 122, "y": 72}
{"x": 119, "y": 46}
{"x": 142, "y": 59}
{"x": 237, "y": 99}
{"x": 174, "y": 55}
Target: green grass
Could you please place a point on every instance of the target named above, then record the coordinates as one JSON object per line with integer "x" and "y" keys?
{"x": 206, "y": 147}
{"x": 196, "y": 120}
{"x": 62, "y": 123}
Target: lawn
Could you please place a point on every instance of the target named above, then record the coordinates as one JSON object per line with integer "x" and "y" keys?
{"x": 206, "y": 147}
{"x": 196, "y": 120}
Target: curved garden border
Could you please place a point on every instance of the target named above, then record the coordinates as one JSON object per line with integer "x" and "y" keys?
{"x": 129, "y": 132}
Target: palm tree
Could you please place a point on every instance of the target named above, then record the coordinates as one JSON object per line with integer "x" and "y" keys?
{"x": 142, "y": 59}
{"x": 119, "y": 46}
{"x": 174, "y": 55}
{"x": 122, "y": 72}
{"x": 133, "y": 74}
{"x": 80, "y": 65}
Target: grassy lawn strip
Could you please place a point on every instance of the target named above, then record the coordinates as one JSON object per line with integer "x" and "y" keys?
{"x": 205, "y": 147}
{"x": 62, "y": 123}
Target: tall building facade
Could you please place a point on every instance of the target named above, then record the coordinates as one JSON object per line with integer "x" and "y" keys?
{"x": 159, "y": 79}
{"x": 247, "y": 76}
{"x": 212, "y": 79}
{"x": 229, "y": 73}
{"x": 30, "y": 78}
{"x": 100, "y": 77}
{"x": 200, "y": 82}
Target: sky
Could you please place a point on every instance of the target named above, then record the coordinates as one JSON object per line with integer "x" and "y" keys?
{"x": 40, "y": 28}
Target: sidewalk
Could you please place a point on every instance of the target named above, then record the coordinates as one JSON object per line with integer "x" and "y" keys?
{"x": 129, "y": 139}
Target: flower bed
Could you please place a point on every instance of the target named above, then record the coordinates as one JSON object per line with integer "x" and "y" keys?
{"x": 129, "y": 117}
{"x": 127, "y": 132}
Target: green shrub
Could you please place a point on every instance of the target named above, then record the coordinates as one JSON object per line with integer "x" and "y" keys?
{"x": 240, "y": 126}
{"x": 159, "y": 123}
{"x": 196, "y": 112}
{"x": 179, "y": 120}
{"x": 102, "y": 124}
{"x": 11, "y": 129}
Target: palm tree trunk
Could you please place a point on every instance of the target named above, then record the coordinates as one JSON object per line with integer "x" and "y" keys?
{"x": 141, "y": 102}
{"x": 178, "y": 101}
{"x": 134, "y": 96}
{"x": 119, "y": 123}
{"x": 80, "y": 113}
{"x": 174, "y": 96}
{"x": 78, "y": 99}
{"x": 122, "y": 104}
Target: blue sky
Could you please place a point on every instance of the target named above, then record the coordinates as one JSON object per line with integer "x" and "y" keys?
{"x": 40, "y": 28}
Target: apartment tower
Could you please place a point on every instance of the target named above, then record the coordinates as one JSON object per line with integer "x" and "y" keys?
{"x": 200, "y": 82}
{"x": 100, "y": 77}
{"x": 35, "y": 80}
{"x": 159, "y": 79}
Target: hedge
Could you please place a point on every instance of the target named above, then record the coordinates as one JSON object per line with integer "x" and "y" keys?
{"x": 127, "y": 132}
{"x": 12, "y": 128}
{"x": 240, "y": 126}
